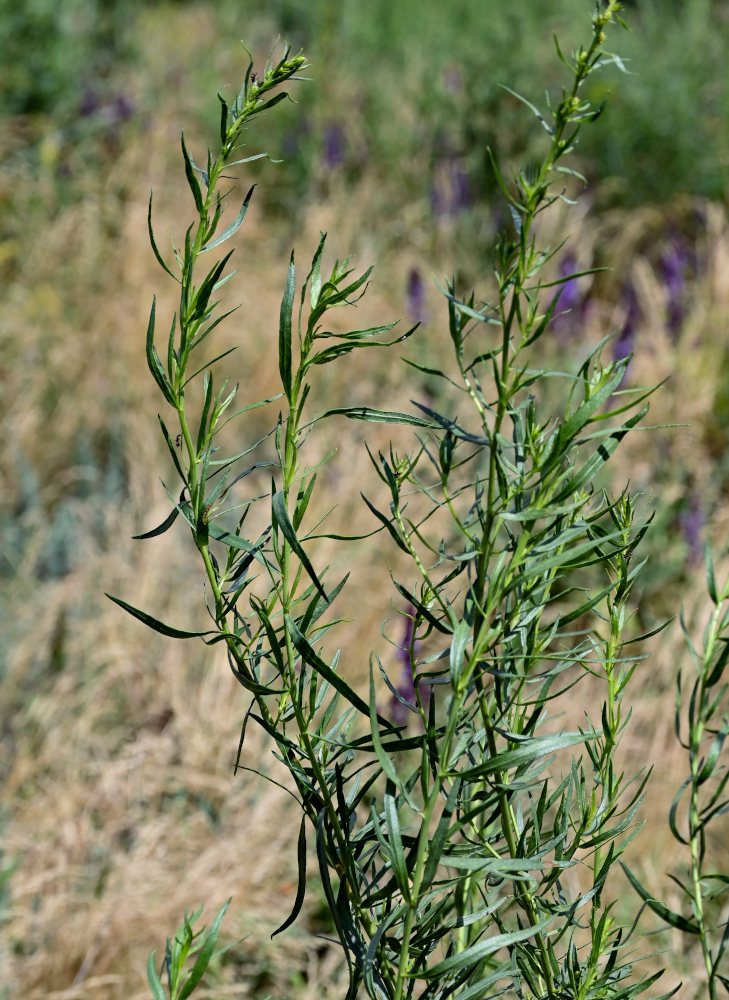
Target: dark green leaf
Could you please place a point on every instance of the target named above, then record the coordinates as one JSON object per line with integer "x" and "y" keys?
{"x": 388, "y": 524}
{"x": 399, "y": 866}
{"x": 142, "y": 616}
{"x": 154, "y": 244}
{"x": 671, "y": 918}
{"x": 337, "y": 682}
{"x": 714, "y": 753}
{"x": 205, "y": 954}
{"x": 284, "y": 330}
{"x": 223, "y": 119}
{"x": 280, "y": 517}
{"x": 376, "y": 416}
{"x": 470, "y": 957}
{"x": 532, "y": 749}
{"x": 192, "y": 180}
{"x": 301, "y": 889}
{"x": 450, "y": 425}
{"x": 153, "y": 361}
{"x": 439, "y": 838}
{"x": 166, "y": 524}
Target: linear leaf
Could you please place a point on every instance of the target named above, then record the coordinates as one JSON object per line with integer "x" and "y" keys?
{"x": 205, "y": 954}
{"x": 154, "y": 244}
{"x": 150, "y": 622}
{"x": 477, "y": 952}
{"x": 284, "y": 330}
{"x": 281, "y": 520}
{"x": 153, "y": 361}
{"x": 438, "y": 840}
{"x": 399, "y": 866}
{"x": 371, "y": 415}
{"x": 671, "y": 918}
{"x": 160, "y": 530}
{"x": 233, "y": 228}
{"x": 192, "y": 180}
{"x": 531, "y": 749}
{"x": 301, "y": 889}
{"x": 337, "y": 682}
{"x": 153, "y": 979}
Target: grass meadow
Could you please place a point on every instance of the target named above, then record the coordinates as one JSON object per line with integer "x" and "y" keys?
{"x": 119, "y": 808}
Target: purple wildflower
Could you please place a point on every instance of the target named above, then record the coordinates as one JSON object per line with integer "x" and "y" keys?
{"x": 121, "y": 108}
{"x": 673, "y": 266}
{"x": 334, "y": 151}
{"x": 568, "y": 297}
{"x": 89, "y": 103}
{"x": 624, "y": 343}
{"x": 405, "y": 685}
{"x": 691, "y": 522}
{"x": 460, "y": 188}
{"x": 450, "y": 192}
{"x": 415, "y": 296}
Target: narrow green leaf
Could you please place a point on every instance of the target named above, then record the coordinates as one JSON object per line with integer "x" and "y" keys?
{"x": 153, "y": 979}
{"x": 302, "y": 501}
{"x": 160, "y": 530}
{"x": 710, "y": 577}
{"x": 315, "y": 275}
{"x": 153, "y": 361}
{"x": 373, "y": 982}
{"x": 223, "y": 119}
{"x": 399, "y": 866}
{"x": 535, "y": 111}
{"x": 388, "y": 524}
{"x": 376, "y": 416}
{"x": 470, "y": 957}
{"x": 461, "y": 635}
{"x": 600, "y": 456}
{"x": 383, "y": 757}
{"x": 284, "y": 330}
{"x": 280, "y": 516}
{"x": 671, "y": 918}
{"x": 717, "y": 670}
{"x": 205, "y": 953}
{"x": 156, "y": 252}
{"x": 192, "y": 180}
{"x": 450, "y": 425}
{"x": 714, "y": 753}
{"x": 142, "y": 616}
{"x": 207, "y": 401}
{"x": 439, "y": 838}
{"x": 233, "y": 228}
{"x": 315, "y": 661}
{"x": 301, "y": 889}
{"x": 321, "y": 853}
{"x": 532, "y": 749}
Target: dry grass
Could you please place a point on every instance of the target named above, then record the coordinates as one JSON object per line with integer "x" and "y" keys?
{"x": 119, "y": 806}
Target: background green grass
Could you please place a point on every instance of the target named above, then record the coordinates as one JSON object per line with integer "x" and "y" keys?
{"x": 119, "y": 808}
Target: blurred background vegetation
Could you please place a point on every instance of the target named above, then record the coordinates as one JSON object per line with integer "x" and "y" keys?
{"x": 119, "y": 808}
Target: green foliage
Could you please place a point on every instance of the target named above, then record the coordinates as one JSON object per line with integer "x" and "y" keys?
{"x": 53, "y": 52}
{"x": 702, "y": 726}
{"x": 185, "y": 945}
{"x": 471, "y": 851}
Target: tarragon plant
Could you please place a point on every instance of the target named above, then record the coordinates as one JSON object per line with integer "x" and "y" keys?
{"x": 702, "y": 727}
{"x": 469, "y": 850}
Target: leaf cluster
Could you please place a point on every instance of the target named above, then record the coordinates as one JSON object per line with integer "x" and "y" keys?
{"x": 468, "y": 852}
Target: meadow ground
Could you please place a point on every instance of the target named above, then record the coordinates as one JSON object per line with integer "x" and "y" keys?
{"x": 119, "y": 808}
